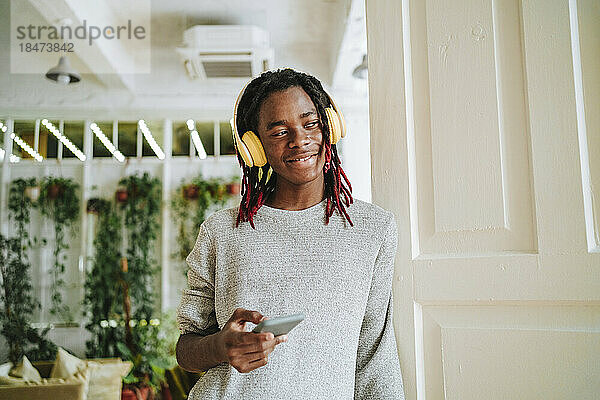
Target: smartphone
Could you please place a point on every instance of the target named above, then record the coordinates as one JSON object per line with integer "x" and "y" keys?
{"x": 280, "y": 325}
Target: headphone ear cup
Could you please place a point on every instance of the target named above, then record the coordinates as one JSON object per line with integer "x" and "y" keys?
{"x": 255, "y": 149}
{"x": 244, "y": 152}
{"x": 342, "y": 123}
{"x": 335, "y": 127}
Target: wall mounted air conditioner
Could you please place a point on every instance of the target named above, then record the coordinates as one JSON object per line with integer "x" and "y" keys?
{"x": 225, "y": 51}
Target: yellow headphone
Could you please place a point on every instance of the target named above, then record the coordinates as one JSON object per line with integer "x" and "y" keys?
{"x": 251, "y": 149}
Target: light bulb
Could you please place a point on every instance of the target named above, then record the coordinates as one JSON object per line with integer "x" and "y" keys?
{"x": 63, "y": 79}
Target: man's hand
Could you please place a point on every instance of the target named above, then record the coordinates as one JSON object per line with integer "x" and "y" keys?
{"x": 246, "y": 351}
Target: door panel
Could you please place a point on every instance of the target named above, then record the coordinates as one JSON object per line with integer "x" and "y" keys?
{"x": 520, "y": 351}
{"x": 473, "y": 177}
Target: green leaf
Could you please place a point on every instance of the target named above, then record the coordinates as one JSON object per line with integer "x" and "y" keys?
{"x": 125, "y": 351}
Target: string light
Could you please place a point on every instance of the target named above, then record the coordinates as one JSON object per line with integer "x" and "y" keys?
{"x": 196, "y": 139}
{"x": 150, "y": 139}
{"x": 26, "y": 147}
{"x": 65, "y": 141}
{"x": 107, "y": 143}
{"x": 12, "y": 159}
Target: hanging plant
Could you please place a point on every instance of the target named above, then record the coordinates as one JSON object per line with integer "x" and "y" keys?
{"x": 18, "y": 303}
{"x": 18, "y": 306}
{"x": 137, "y": 274}
{"x": 94, "y": 205}
{"x": 102, "y": 301}
{"x": 141, "y": 212}
{"x": 59, "y": 202}
{"x": 19, "y": 211}
{"x": 190, "y": 205}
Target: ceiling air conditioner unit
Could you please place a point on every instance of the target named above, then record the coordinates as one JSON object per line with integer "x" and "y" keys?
{"x": 225, "y": 51}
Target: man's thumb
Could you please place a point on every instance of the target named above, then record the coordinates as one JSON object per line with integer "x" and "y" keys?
{"x": 242, "y": 315}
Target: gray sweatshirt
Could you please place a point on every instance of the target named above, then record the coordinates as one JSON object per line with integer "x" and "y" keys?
{"x": 338, "y": 276}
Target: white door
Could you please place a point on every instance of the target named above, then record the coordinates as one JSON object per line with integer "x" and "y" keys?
{"x": 485, "y": 135}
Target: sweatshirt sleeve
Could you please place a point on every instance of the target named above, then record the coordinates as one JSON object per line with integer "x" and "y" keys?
{"x": 196, "y": 311}
{"x": 378, "y": 374}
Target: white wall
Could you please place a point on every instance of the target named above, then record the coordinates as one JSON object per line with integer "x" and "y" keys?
{"x": 354, "y": 149}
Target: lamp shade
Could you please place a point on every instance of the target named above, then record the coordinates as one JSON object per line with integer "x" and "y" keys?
{"x": 63, "y": 73}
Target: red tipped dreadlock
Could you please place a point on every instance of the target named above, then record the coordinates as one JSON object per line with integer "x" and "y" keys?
{"x": 255, "y": 191}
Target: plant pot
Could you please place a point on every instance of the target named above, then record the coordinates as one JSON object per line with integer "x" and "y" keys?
{"x": 132, "y": 394}
{"x": 165, "y": 392}
{"x": 54, "y": 191}
{"x": 121, "y": 195}
{"x": 32, "y": 193}
{"x": 191, "y": 192}
{"x": 93, "y": 206}
{"x": 233, "y": 188}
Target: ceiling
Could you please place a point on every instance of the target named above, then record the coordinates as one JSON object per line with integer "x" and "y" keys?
{"x": 322, "y": 37}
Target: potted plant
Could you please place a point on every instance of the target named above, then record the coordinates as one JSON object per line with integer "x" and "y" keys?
{"x": 119, "y": 290}
{"x": 150, "y": 350}
{"x": 233, "y": 188}
{"x": 191, "y": 191}
{"x": 103, "y": 299}
{"x": 121, "y": 195}
{"x": 18, "y": 306}
{"x": 153, "y": 354}
{"x": 132, "y": 392}
{"x": 190, "y": 211}
{"x": 141, "y": 215}
{"x": 19, "y": 210}
{"x": 59, "y": 201}
{"x": 16, "y": 290}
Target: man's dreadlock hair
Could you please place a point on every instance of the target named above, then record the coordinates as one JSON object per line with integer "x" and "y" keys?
{"x": 254, "y": 190}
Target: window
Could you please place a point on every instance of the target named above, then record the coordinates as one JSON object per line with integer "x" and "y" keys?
{"x": 73, "y": 130}
{"x": 48, "y": 146}
{"x": 156, "y": 132}
{"x": 226, "y": 135}
{"x": 181, "y": 139}
{"x": 206, "y": 132}
{"x": 128, "y": 138}
{"x": 3, "y": 131}
{"x": 99, "y": 150}
{"x": 26, "y": 131}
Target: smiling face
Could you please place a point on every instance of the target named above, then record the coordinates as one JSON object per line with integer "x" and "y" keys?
{"x": 289, "y": 128}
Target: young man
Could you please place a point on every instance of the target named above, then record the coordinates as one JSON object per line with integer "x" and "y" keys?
{"x": 284, "y": 251}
